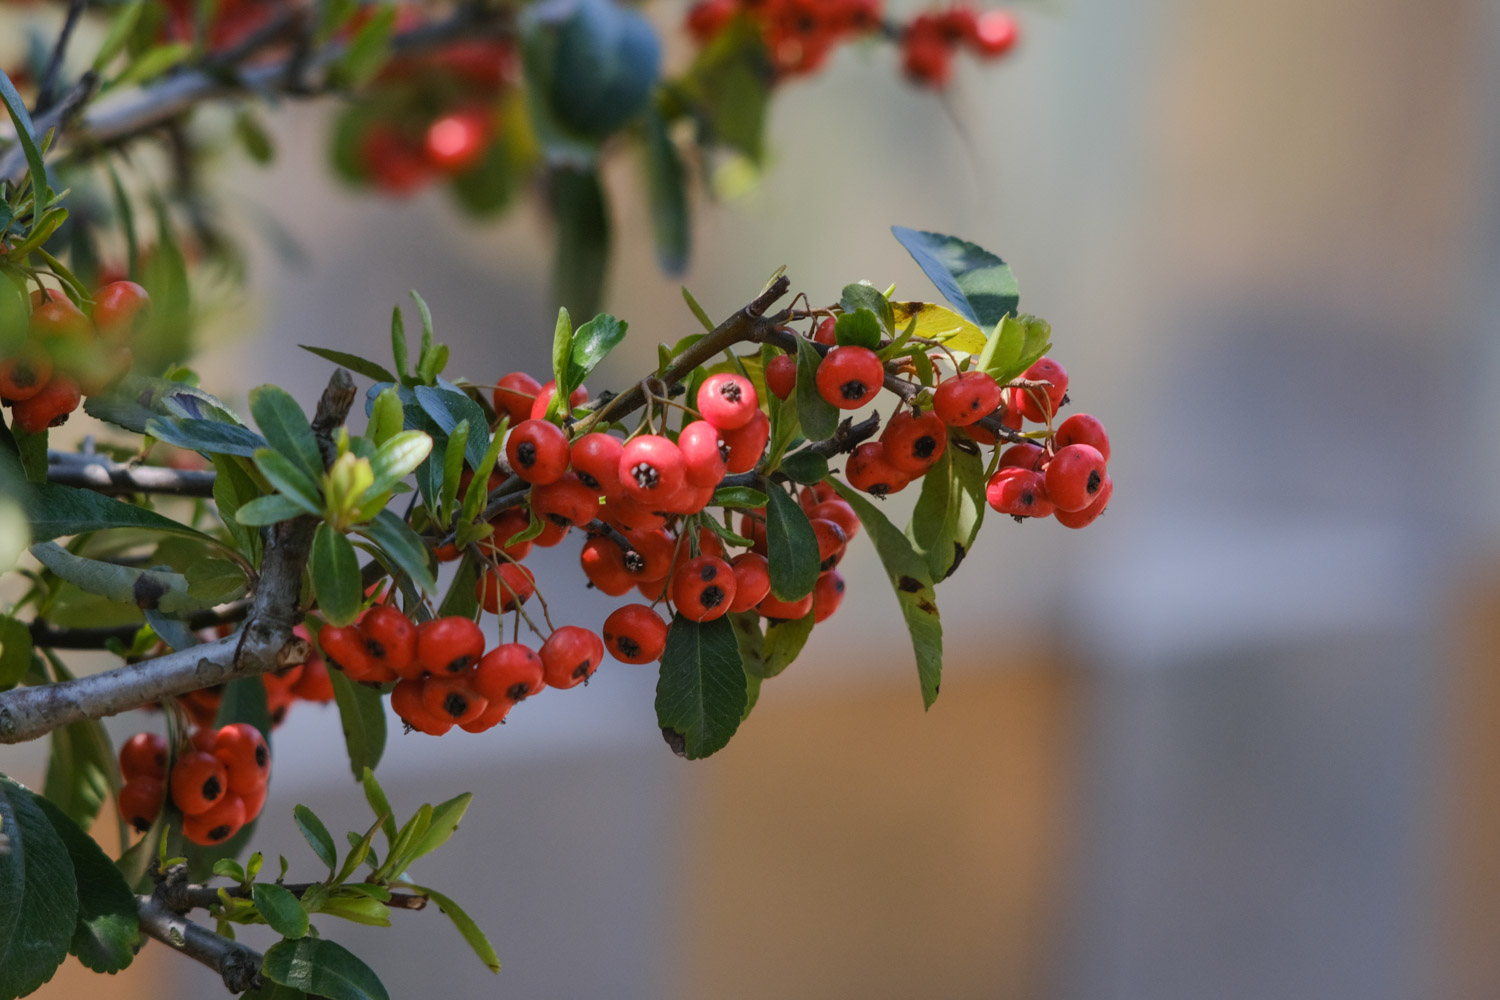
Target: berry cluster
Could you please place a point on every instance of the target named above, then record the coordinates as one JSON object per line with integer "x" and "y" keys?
{"x": 218, "y": 785}
{"x": 800, "y": 35}
{"x": 284, "y": 688}
{"x": 67, "y": 355}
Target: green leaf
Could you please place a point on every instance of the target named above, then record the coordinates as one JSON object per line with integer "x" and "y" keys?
{"x": 398, "y": 458}
{"x": 40, "y": 892}
{"x": 666, "y": 181}
{"x": 448, "y": 408}
{"x": 275, "y": 991}
{"x": 79, "y": 770}
{"x": 268, "y": 510}
{"x": 286, "y": 476}
{"x": 335, "y": 576}
{"x": 591, "y": 343}
{"x": 253, "y": 136}
{"x": 317, "y": 835}
{"x": 15, "y": 651}
{"x": 403, "y": 546}
{"x": 583, "y": 237}
{"x": 426, "y": 358}
{"x": 379, "y": 804}
{"x": 321, "y": 967}
{"x": 978, "y": 284}
{"x": 107, "y": 931}
{"x": 353, "y": 362}
{"x": 368, "y": 52}
{"x": 805, "y": 467}
{"x": 154, "y": 62}
{"x": 453, "y": 469}
{"x": 466, "y": 926}
{"x": 206, "y": 436}
{"x": 791, "y": 547}
{"x": 217, "y": 581}
{"x": 935, "y": 322}
{"x": 150, "y": 590}
{"x": 26, "y": 134}
{"x": 949, "y": 511}
{"x": 359, "y": 851}
{"x": 280, "y": 909}
{"x": 230, "y": 869}
{"x": 115, "y": 38}
{"x": 387, "y": 416}
{"x": 700, "y": 695}
{"x": 55, "y": 511}
{"x": 864, "y": 295}
{"x": 913, "y": 585}
{"x": 460, "y": 599}
{"x": 445, "y": 819}
{"x": 731, "y": 82}
{"x": 819, "y": 418}
{"x": 698, "y": 311}
{"x": 362, "y": 714}
{"x": 737, "y": 496}
{"x": 358, "y": 909}
{"x": 783, "y": 644}
{"x": 286, "y": 428}
{"x": 860, "y": 329}
{"x": 1015, "y": 345}
{"x": 398, "y": 342}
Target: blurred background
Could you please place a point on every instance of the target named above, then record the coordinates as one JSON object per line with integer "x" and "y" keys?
{"x": 1239, "y": 739}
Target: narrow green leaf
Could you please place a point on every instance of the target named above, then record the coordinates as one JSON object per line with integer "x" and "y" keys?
{"x": 367, "y": 53}
{"x": 700, "y": 695}
{"x": 375, "y": 795}
{"x": 425, "y": 358}
{"x": 697, "y": 310}
{"x": 453, "y": 469}
{"x": 362, "y": 714}
{"x": 41, "y": 892}
{"x": 1016, "y": 343}
{"x": 737, "y": 496}
{"x": 356, "y": 364}
{"x": 949, "y": 511}
{"x": 206, "y": 436}
{"x": 268, "y": 510}
{"x": 583, "y": 238}
{"x": 445, "y": 819}
{"x": 335, "y": 576}
{"x": 107, "y": 931}
{"x": 30, "y": 143}
{"x": 913, "y": 586}
{"x": 591, "y": 344}
{"x": 151, "y": 590}
{"x": 398, "y": 343}
{"x": 792, "y": 547}
{"x": 978, "y": 284}
{"x": 317, "y": 836}
{"x": 819, "y": 418}
{"x": 290, "y": 479}
{"x": 280, "y": 909}
{"x": 118, "y": 34}
{"x": 15, "y": 651}
{"x": 154, "y": 62}
{"x": 398, "y": 458}
{"x": 466, "y": 926}
{"x": 403, "y": 546}
{"x": 562, "y": 353}
{"x": 359, "y": 852}
{"x": 286, "y": 428}
{"x": 55, "y": 511}
{"x": 321, "y": 967}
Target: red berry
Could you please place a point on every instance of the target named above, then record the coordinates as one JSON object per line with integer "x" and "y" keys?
{"x": 544, "y": 395}
{"x": 995, "y": 33}
{"x": 140, "y": 801}
{"x": 119, "y": 308}
{"x": 570, "y": 656}
{"x": 26, "y": 375}
{"x": 965, "y": 398}
{"x": 493, "y": 714}
{"x": 1019, "y": 493}
{"x": 603, "y": 562}
{"x": 1075, "y": 476}
{"x": 752, "y": 580}
{"x": 651, "y": 468}
{"x": 509, "y": 673}
{"x": 449, "y": 645}
{"x": 538, "y": 451}
{"x": 242, "y": 750}
{"x": 314, "y": 684}
{"x": 914, "y": 444}
{"x": 198, "y": 781}
{"x": 344, "y": 648}
{"x": 596, "y": 459}
{"x": 635, "y": 634}
{"x": 839, "y": 513}
{"x": 703, "y": 453}
{"x": 455, "y": 142}
{"x": 727, "y": 400}
{"x": 508, "y": 524}
{"x": 815, "y": 494}
{"x": 407, "y": 702}
{"x": 868, "y": 471}
{"x": 514, "y": 394}
{"x": 825, "y": 332}
{"x": 144, "y": 755}
{"x": 831, "y": 542}
{"x": 773, "y": 607}
{"x": 746, "y": 444}
{"x": 655, "y": 549}
{"x": 1087, "y": 516}
{"x": 703, "y": 588}
{"x": 1038, "y": 405}
{"x": 827, "y": 595}
{"x": 781, "y": 375}
{"x": 451, "y": 698}
{"x": 754, "y": 528}
{"x": 1023, "y": 455}
{"x": 504, "y": 587}
{"x": 391, "y": 642}
{"x": 49, "y": 407}
{"x": 57, "y": 316}
{"x": 565, "y": 503}
{"x": 552, "y": 533}
{"x": 1081, "y": 428}
{"x": 254, "y": 802}
{"x": 850, "y": 376}
{"x": 217, "y": 823}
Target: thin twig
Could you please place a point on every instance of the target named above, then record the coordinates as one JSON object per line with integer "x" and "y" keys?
{"x": 48, "y": 636}
{"x": 236, "y": 964}
{"x": 59, "y": 51}
{"x": 203, "y": 896}
{"x": 98, "y": 473}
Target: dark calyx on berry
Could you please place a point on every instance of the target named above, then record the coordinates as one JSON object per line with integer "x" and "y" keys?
{"x": 645, "y": 475}
{"x": 853, "y": 389}
{"x": 526, "y": 454}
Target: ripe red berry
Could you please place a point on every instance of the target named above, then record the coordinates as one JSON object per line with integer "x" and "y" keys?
{"x": 449, "y": 645}
{"x": 868, "y": 471}
{"x": 508, "y": 524}
{"x": 504, "y": 587}
{"x": 144, "y": 755}
{"x": 140, "y": 801}
{"x": 773, "y": 607}
{"x": 754, "y": 528}
{"x": 1038, "y": 405}
{"x": 451, "y": 698}
{"x": 965, "y": 398}
{"x": 26, "y": 375}
{"x": 839, "y": 513}
{"x": 391, "y": 642}
{"x": 596, "y": 459}
{"x": 254, "y": 801}
{"x": 198, "y": 781}
{"x": 1087, "y": 516}
{"x": 538, "y": 451}
{"x": 1081, "y": 428}
{"x": 49, "y": 407}
{"x": 566, "y": 503}
{"x": 703, "y": 588}
{"x": 242, "y": 750}
{"x": 781, "y": 375}
{"x": 815, "y": 494}
{"x": 708, "y": 545}
{"x": 603, "y": 562}
{"x": 651, "y": 468}
{"x": 217, "y": 823}
{"x": 570, "y": 656}
{"x": 493, "y": 714}
{"x": 703, "y": 453}
{"x": 1019, "y": 493}
{"x": 914, "y": 444}
{"x": 655, "y": 549}
{"x": 551, "y": 534}
{"x": 752, "y": 580}
{"x": 850, "y": 376}
{"x": 746, "y": 444}
{"x": 119, "y": 308}
{"x": 544, "y": 395}
{"x": 314, "y": 684}
{"x": 825, "y": 332}
{"x": 57, "y": 316}
{"x": 514, "y": 395}
{"x": 635, "y": 634}
{"x": 831, "y": 542}
{"x": 686, "y": 499}
{"x": 995, "y": 33}
{"x": 1022, "y": 455}
{"x": 827, "y": 595}
{"x": 1075, "y": 476}
{"x": 456, "y": 142}
{"x": 509, "y": 673}
{"x": 407, "y": 702}
{"x": 344, "y": 648}
{"x": 727, "y": 400}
